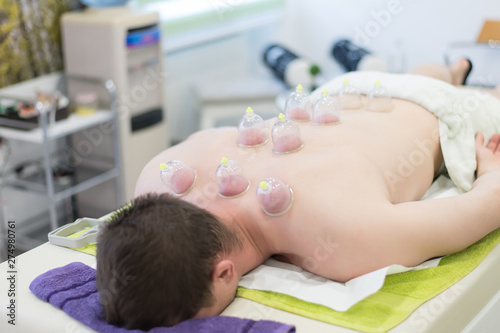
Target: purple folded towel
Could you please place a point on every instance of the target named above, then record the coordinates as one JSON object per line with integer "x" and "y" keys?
{"x": 72, "y": 288}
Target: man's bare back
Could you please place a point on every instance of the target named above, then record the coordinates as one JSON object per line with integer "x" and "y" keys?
{"x": 341, "y": 178}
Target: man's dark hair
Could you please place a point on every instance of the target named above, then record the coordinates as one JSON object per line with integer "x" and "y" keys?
{"x": 155, "y": 259}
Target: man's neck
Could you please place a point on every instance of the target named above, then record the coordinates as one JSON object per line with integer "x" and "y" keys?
{"x": 254, "y": 247}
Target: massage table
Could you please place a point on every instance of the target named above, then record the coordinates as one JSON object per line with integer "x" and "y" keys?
{"x": 471, "y": 305}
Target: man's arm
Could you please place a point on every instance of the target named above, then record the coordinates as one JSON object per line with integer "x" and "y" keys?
{"x": 412, "y": 232}
{"x": 443, "y": 226}
{"x": 424, "y": 229}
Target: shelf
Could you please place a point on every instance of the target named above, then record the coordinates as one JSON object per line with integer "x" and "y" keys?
{"x": 89, "y": 183}
{"x": 34, "y": 231}
{"x": 61, "y": 128}
{"x": 85, "y": 178}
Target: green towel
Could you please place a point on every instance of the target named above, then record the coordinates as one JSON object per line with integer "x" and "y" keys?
{"x": 401, "y": 294}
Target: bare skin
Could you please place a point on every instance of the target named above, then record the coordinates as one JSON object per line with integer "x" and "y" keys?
{"x": 356, "y": 205}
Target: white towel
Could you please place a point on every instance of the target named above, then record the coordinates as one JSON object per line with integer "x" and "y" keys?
{"x": 461, "y": 113}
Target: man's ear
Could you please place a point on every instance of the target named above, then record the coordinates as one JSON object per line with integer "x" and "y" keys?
{"x": 224, "y": 272}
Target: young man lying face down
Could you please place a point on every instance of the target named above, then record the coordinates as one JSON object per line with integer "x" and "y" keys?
{"x": 344, "y": 204}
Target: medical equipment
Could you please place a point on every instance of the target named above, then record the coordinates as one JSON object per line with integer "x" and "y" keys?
{"x": 251, "y": 130}
{"x": 230, "y": 179}
{"x": 349, "y": 96}
{"x": 379, "y": 98}
{"x": 286, "y": 136}
{"x": 275, "y": 197}
{"x": 326, "y": 110}
{"x": 298, "y": 105}
{"x": 122, "y": 45}
{"x": 89, "y": 226}
{"x": 178, "y": 177}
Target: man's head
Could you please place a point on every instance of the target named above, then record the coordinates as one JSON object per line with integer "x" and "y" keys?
{"x": 162, "y": 260}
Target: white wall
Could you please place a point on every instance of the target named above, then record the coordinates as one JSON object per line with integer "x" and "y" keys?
{"x": 222, "y": 60}
{"x": 423, "y": 28}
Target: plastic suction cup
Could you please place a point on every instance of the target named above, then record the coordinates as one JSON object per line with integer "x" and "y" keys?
{"x": 326, "y": 110}
{"x": 298, "y": 106}
{"x": 286, "y": 136}
{"x": 251, "y": 130}
{"x": 379, "y": 98}
{"x": 230, "y": 179}
{"x": 274, "y": 196}
{"x": 349, "y": 96}
{"x": 178, "y": 177}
